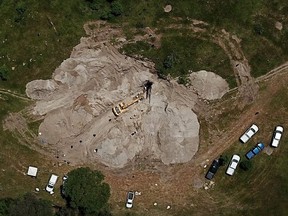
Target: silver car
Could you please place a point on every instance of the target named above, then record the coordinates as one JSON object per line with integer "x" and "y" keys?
{"x": 233, "y": 165}
{"x": 130, "y": 198}
{"x": 252, "y": 130}
{"x": 277, "y": 136}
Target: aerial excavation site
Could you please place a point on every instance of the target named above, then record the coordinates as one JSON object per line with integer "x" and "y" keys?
{"x": 124, "y": 108}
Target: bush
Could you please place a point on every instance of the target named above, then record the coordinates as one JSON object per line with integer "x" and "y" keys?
{"x": 169, "y": 61}
{"x": 4, "y": 73}
{"x": 223, "y": 160}
{"x": 245, "y": 165}
{"x": 116, "y": 8}
{"x": 183, "y": 80}
{"x": 106, "y": 14}
{"x": 28, "y": 205}
{"x": 5, "y": 205}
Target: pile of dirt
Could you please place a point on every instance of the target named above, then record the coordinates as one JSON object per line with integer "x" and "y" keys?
{"x": 77, "y": 102}
{"x": 209, "y": 85}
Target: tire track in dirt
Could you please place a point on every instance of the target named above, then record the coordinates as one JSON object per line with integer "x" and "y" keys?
{"x": 14, "y": 94}
{"x": 279, "y": 70}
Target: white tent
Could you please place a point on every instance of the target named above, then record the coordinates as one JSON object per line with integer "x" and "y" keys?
{"x": 32, "y": 171}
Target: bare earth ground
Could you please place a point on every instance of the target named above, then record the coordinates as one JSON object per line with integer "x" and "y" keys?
{"x": 80, "y": 128}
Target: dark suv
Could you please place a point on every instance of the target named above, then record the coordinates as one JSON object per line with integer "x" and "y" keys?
{"x": 213, "y": 169}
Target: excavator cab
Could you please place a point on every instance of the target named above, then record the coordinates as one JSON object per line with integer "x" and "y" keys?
{"x": 116, "y": 111}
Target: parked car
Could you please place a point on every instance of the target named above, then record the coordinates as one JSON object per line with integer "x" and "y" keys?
{"x": 213, "y": 169}
{"x": 62, "y": 187}
{"x": 51, "y": 183}
{"x": 233, "y": 165}
{"x": 130, "y": 198}
{"x": 256, "y": 150}
{"x": 251, "y": 131}
{"x": 277, "y": 136}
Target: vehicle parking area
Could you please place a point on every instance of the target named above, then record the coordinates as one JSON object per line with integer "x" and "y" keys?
{"x": 175, "y": 186}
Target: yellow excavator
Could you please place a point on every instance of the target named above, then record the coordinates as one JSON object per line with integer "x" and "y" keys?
{"x": 122, "y": 107}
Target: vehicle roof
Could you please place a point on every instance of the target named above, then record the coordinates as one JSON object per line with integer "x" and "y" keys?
{"x": 234, "y": 164}
{"x": 53, "y": 177}
{"x": 250, "y": 154}
{"x": 215, "y": 165}
{"x": 278, "y": 135}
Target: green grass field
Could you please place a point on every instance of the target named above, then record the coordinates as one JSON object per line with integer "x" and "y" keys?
{"x": 252, "y": 21}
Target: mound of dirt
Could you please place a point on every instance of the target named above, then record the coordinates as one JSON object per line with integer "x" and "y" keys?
{"x": 79, "y": 124}
{"x": 208, "y": 85}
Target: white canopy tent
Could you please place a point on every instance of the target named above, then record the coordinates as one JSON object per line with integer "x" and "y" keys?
{"x": 32, "y": 171}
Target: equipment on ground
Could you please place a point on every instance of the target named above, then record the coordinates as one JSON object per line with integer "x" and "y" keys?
{"x": 122, "y": 107}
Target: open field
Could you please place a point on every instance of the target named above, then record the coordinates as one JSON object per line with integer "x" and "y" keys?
{"x": 36, "y": 37}
{"x": 252, "y": 21}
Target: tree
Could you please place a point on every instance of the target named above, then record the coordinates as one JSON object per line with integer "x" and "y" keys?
{"x": 29, "y": 205}
{"x": 86, "y": 191}
{"x": 4, "y": 73}
{"x": 106, "y": 14}
{"x": 245, "y": 165}
{"x": 65, "y": 211}
{"x": 223, "y": 160}
{"x": 5, "y": 205}
{"x": 169, "y": 61}
{"x": 116, "y": 8}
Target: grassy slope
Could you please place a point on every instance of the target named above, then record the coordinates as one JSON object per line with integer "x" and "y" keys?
{"x": 24, "y": 36}
{"x": 31, "y": 44}
{"x": 188, "y": 54}
{"x": 264, "y": 48}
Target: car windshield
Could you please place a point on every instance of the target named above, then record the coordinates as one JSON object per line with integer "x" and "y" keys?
{"x": 117, "y": 110}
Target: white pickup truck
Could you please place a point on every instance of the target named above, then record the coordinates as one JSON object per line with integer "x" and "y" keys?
{"x": 249, "y": 133}
{"x": 51, "y": 183}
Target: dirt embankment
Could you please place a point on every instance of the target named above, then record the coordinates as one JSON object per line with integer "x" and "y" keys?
{"x": 80, "y": 127}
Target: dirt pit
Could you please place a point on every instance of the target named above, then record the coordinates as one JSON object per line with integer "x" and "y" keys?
{"x": 80, "y": 127}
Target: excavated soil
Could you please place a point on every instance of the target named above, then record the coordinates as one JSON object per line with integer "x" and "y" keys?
{"x": 79, "y": 126}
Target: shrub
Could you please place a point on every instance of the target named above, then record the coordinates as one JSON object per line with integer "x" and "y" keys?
{"x": 223, "y": 160}
{"x": 116, "y": 8}
{"x": 4, "y": 73}
{"x": 245, "y": 165}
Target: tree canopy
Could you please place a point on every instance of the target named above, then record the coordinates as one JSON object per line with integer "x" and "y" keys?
{"x": 3, "y": 73}
{"x": 85, "y": 190}
{"x": 28, "y": 205}
{"x": 245, "y": 165}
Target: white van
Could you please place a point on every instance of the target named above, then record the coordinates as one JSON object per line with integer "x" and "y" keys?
{"x": 51, "y": 183}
